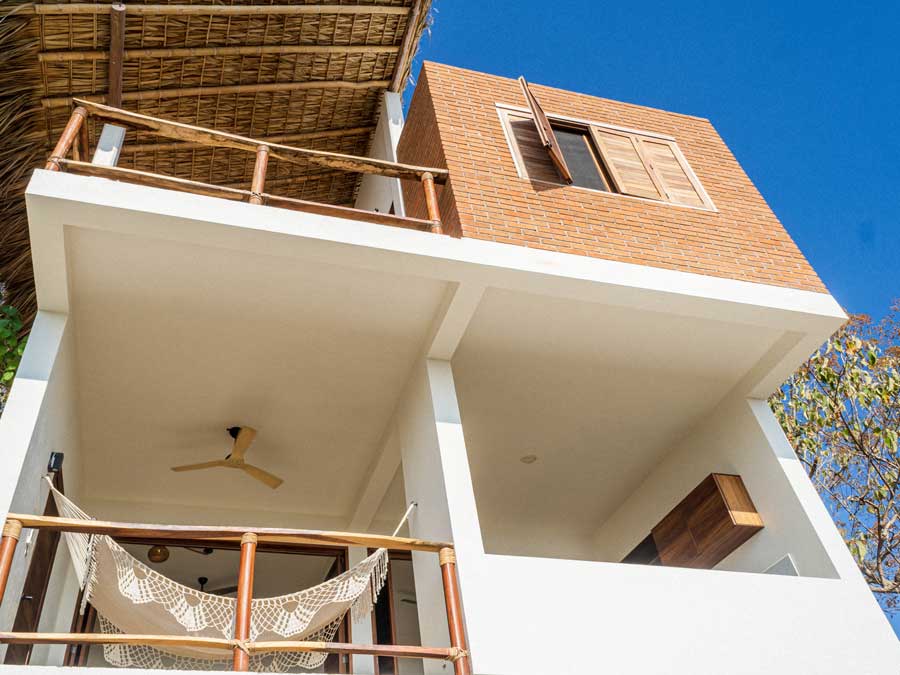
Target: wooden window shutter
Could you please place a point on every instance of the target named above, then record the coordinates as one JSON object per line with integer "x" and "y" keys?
{"x": 529, "y": 152}
{"x": 545, "y": 132}
{"x": 626, "y": 166}
{"x": 671, "y": 172}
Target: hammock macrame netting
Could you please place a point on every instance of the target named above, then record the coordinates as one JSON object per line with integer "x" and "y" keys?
{"x": 130, "y": 597}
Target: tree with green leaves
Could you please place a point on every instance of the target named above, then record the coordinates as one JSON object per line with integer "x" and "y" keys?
{"x": 12, "y": 346}
{"x": 841, "y": 412}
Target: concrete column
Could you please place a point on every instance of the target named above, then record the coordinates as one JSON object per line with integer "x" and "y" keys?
{"x": 436, "y": 476}
{"x": 378, "y": 193}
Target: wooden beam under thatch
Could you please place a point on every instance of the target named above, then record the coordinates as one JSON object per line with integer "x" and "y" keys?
{"x": 116, "y": 53}
{"x": 156, "y": 94}
{"x": 219, "y": 10}
{"x": 240, "y": 50}
{"x": 282, "y": 138}
{"x": 408, "y": 47}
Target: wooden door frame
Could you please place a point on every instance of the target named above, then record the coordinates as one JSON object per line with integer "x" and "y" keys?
{"x": 388, "y": 587}
{"x": 77, "y": 654}
{"x": 37, "y": 579}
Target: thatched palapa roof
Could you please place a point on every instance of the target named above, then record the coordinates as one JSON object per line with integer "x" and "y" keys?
{"x": 305, "y": 72}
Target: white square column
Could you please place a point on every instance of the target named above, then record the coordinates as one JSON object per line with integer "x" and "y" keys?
{"x": 436, "y": 476}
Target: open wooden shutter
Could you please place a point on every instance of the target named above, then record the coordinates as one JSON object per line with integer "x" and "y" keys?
{"x": 530, "y": 154}
{"x": 545, "y": 132}
{"x": 671, "y": 171}
{"x": 627, "y": 168}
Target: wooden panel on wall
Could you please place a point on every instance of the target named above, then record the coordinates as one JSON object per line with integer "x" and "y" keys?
{"x": 711, "y": 522}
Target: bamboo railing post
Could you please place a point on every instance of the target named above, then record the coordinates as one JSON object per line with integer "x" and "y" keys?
{"x": 241, "y": 660}
{"x": 257, "y": 186}
{"x": 454, "y": 611}
{"x": 11, "y": 531}
{"x": 431, "y": 202}
{"x": 69, "y": 134}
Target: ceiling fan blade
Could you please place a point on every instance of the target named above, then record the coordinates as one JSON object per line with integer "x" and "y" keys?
{"x": 263, "y": 476}
{"x": 242, "y": 442}
{"x": 201, "y": 465}
{"x": 225, "y": 590}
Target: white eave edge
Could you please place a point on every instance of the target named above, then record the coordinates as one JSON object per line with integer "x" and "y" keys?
{"x": 56, "y": 200}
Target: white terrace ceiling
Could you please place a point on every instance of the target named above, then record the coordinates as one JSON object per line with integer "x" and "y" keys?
{"x": 597, "y": 393}
{"x": 174, "y": 343}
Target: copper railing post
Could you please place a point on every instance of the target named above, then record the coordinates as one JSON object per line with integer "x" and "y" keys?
{"x": 81, "y": 148}
{"x": 11, "y": 531}
{"x": 431, "y": 202}
{"x": 241, "y": 660}
{"x": 454, "y": 611}
{"x": 259, "y": 174}
{"x": 69, "y": 134}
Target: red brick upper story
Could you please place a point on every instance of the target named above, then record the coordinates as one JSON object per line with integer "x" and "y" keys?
{"x": 692, "y": 208}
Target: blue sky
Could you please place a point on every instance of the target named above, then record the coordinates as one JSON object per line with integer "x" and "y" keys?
{"x": 806, "y": 94}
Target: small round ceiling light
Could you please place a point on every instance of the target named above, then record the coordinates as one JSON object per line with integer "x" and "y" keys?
{"x": 528, "y": 459}
{"x": 158, "y": 554}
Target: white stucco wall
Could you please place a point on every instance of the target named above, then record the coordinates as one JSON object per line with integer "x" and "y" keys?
{"x": 618, "y": 618}
{"x": 640, "y": 619}
{"x": 377, "y": 193}
{"x": 730, "y": 440}
{"x": 40, "y": 418}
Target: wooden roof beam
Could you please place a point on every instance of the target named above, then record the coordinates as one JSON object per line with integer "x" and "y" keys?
{"x": 116, "y": 53}
{"x": 282, "y": 138}
{"x": 218, "y": 10}
{"x": 235, "y": 50}
{"x": 156, "y": 94}
{"x": 408, "y": 46}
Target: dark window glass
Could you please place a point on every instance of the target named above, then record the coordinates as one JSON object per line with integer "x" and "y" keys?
{"x": 580, "y": 158}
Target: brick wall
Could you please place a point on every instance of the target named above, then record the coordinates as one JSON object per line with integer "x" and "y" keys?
{"x": 453, "y": 123}
{"x": 420, "y": 139}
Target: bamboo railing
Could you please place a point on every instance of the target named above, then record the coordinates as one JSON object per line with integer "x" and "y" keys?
{"x": 240, "y": 645}
{"x": 74, "y": 139}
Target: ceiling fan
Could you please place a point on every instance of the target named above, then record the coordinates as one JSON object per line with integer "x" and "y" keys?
{"x": 243, "y": 437}
{"x": 225, "y": 590}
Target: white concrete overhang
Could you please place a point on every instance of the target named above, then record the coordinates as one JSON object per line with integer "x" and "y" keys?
{"x": 192, "y": 312}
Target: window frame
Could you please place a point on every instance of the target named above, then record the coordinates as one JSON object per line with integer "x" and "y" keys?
{"x": 585, "y": 132}
{"x": 504, "y": 111}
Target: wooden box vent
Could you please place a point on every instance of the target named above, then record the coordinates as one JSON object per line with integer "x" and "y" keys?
{"x": 706, "y": 526}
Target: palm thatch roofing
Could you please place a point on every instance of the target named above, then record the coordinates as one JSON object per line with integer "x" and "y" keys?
{"x": 306, "y": 72}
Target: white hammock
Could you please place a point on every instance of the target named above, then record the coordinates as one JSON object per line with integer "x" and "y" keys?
{"x": 130, "y": 597}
